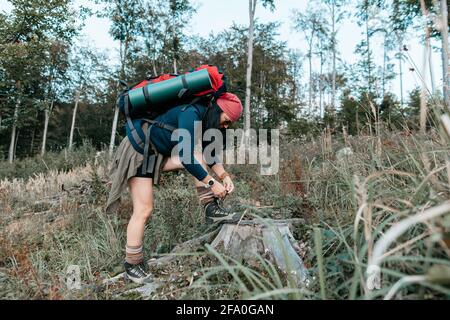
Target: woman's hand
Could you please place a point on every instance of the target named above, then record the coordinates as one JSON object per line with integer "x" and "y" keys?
{"x": 218, "y": 189}
{"x": 228, "y": 184}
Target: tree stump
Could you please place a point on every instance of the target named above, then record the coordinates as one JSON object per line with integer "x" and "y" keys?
{"x": 244, "y": 242}
{"x": 270, "y": 239}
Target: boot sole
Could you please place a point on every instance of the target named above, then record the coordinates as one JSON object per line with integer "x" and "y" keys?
{"x": 234, "y": 219}
{"x": 128, "y": 278}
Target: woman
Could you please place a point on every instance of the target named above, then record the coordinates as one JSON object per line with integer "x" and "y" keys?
{"x": 127, "y": 170}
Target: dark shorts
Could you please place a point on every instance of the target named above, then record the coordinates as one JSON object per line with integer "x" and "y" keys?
{"x": 157, "y": 169}
{"x": 144, "y": 175}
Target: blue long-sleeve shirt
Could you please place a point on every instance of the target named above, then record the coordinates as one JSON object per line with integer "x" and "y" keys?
{"x": 180, "y": 117}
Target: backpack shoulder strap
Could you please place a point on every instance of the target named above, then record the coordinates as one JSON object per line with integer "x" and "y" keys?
{"x": 159, "y": 124}
{"x": 135, "y": 138}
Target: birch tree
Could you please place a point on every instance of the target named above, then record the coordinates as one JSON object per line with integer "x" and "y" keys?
{"x": 26, "y": 40}
{"x": 54, "y": 77}
{"x": 12, "y": 144}
{"x": 152, "y": 33}
{"x": 310, "y": 23}
{"x": 126, "y": 19}
{"x": 405, "y": 14}
{"x": 365, "y": 15}
{"x": 383, "y": 27}
{"x": 336, "y": 15}
{"x": 426, "y": 53}
{"x": 399, "y": 24}
{"x": 252, "y": 4}
{"x": 178, "y": 16}
{"x": 86, "y": 71}
{"x": 443, "y": 28}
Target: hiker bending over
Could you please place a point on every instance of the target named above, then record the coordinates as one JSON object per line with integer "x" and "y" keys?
{"x": 141, "y": 173}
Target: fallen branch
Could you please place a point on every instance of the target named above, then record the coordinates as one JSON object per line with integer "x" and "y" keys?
{"x": 188, "y": 246}
{"x": 110, "y": 281}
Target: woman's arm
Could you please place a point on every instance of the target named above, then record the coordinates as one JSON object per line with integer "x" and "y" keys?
{"x": 218, "y": 169}
{"x": 186, "y": 121}
{"x": 223, "y": 176}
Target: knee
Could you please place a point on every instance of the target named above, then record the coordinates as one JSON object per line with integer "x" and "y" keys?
{"x": 143, "y": 212}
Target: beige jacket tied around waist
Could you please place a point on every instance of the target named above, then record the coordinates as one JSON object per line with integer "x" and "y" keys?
{"x": 124, "y": 166}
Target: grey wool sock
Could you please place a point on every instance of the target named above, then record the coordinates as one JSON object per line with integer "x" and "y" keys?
{"x": 134, "y": 254}
{"x": 205, "y": 195}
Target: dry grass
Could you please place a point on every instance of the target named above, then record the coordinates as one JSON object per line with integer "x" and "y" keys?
{"x": 56, "y": 219}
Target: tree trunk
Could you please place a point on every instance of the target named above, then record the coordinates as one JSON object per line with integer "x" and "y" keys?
{"x": 333, "y": 89}
{"x": 74, "y": 115}
{"x": 154, "y": 68}
{"x": 369, "y": 70}
{"x": 124, "y": 59}
{"x": 249, "y": 239}
{"x": 252, "y": 9}
{"x": 13, "y": 133}
{"x": 32, "y": 141}
{"x": 321, "y": 86}
{"x": 383, "y": 80}
{"x": 426, "y": 52}
{"x": 400, "y": 55}
{"x": 175, "y": 69}
{"x": 310, "y": 77}
{"x": 113, "y": 131}
{"x": 261, "y": 99}
{"x": 116, "y": 108}
{"x": 253, "y": 243}
{"x": 15, "y": 143}
{"x": 445, "y": 54}
{"x": 430, "y": 65}
{"x": 33, "y": 137}
{"x": 357, "y": 120}
{"x": 44, "y": 137}
{"x": 245, "y": 242}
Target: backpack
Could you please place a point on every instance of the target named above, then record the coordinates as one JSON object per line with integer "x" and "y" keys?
{"x": 137, "y": 103}
{"x": 204, "y": 83}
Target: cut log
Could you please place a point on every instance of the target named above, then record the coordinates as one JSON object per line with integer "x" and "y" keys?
{"x": 245, "y": 241}
{"x": 185, "y": 247}
{"x": 271, "y": 240}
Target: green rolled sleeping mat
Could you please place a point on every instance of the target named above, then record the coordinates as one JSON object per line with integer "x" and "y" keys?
{"x": 154, "y": 96}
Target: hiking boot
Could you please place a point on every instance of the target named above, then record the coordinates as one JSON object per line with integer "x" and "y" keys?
{"x": 137, "y": 272}
{"x": 215, "y": 213}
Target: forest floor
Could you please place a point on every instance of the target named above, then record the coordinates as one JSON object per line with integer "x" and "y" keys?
{"x": 55, "y": 219}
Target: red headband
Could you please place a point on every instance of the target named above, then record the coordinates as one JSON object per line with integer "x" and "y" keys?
{"x": 231, "y": 105}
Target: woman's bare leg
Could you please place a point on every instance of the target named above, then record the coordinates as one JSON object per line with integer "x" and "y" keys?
{"x": 141, "y": 190}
